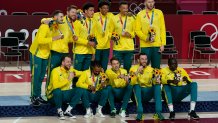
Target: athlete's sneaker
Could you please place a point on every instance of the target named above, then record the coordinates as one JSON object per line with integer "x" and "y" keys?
{"x": 172, "y": 115}
{"x": 41, "y": 100}
{"x": 139, "y": 117}
{"x": 127, "y": 113}
{"x": 34, "y": 101}
{"x": 158, "y": 116}
{"x": 61, "y": 115}
{"x": 113, "y": 113}
{"x": 71, "y": 116}
{"x": 193, "y": 115}
{"x": 99, "y": 113}
{"x": 122, "y": 113}
{"x": 88, "y": 113}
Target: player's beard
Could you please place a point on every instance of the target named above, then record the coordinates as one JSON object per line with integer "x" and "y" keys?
{"x": 73, "y": 18}
{"x": 66, "y": 68}
{"x": 115, "y": 68}
{"x": 144, "y": 64}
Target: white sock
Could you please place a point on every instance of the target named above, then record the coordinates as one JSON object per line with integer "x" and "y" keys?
{"x": 192, "y": 106}
{"x": 59, "y": 110}
{"x": 170, "y": 106}
{"x": 69, "y": 108}
{"x": 99, "y": 107}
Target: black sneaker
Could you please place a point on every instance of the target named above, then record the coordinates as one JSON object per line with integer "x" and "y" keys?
{"x": 34, "y": 101}
{"x": 113, "y": 113}
{"x": 172, "y": 115}
{"x": 193, "y": 115}
{"x": 41, "y": 100}
{"x": 127, "y": 113}
{"x": 61, "y": 115}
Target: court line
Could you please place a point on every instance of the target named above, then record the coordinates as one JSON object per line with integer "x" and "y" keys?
{"x": 17, "y": 119}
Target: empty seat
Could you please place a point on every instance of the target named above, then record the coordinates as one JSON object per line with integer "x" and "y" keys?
{"x": 184, "y": 12}
{"x": 40, "y": 13}
{"x": 19, "y": 13}
{"x": 209, "y": 12}
{"x": 169, "y": 48}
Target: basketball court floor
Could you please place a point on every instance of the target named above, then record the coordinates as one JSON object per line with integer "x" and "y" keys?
{"x": 14, "y": 82}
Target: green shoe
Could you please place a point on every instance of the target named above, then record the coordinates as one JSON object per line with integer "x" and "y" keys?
{"x": 113, "y": 113}
{"x": 139, "y": 117}
{"x": 158, "y": 116}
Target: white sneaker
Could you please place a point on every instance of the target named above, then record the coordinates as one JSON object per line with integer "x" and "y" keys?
{"x": 88, "y": 113}
{"x": 122, "y": 113}
{"x": 99, "y": 113}
{"x": 61, "y": 115}
{"x": 69, "y": 115}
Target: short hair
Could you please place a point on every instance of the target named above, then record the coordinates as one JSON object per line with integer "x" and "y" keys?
{"x": 56, "y": 12}
{"x": 71, "y": 7}
{"x": 63, "y": 58}
{"x": 88, "y": 5}
{"x": 113, "y": 59}
{"x": 123, "y": 3}
{"x": 142, "y": 54}
{"x": 171, "y": 59}
{"x": 95, "y": 64}
{"x": 102, "y": 3}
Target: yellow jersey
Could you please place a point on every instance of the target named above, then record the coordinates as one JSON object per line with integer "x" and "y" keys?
{"x": 103, "y": 30}
{"x": 41, "y": 45}
{"x": 60, "y": 79}
{"x": 126, "y": 24}
{"x": 145, "y": 79}
{"x": 143, "y": 21}
{"x": 167, "y": 74}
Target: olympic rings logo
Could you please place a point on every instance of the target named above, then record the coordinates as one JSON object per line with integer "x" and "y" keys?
{"x": 214, "y": 35}
{"x": 135, "y": 8}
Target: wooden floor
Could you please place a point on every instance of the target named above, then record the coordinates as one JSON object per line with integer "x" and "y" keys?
{"x": 15, "y": 82}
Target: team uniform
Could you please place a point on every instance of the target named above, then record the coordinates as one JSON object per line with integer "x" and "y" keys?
{"x": 39, "y": 53}
{"x": 103, "y": 32}
{"x": 119, "y": 89}
{"x": 123, "y": 49}
{"x": 176, "y": 93}
{"x": 83, "y": 52}
{"x": 99, "y": 96}
{"x": 146, "y": 20}
{"x": 145, "y": 88}
{"x": 60, "y": 47}
{"x": 60, "y": 89}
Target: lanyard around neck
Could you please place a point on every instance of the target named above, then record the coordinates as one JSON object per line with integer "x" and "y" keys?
{"x": 103, "y": 24}
{"x": 70, "y": 25}
{"x": 123, "y": 25}
{"x": 150, "y": 19}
